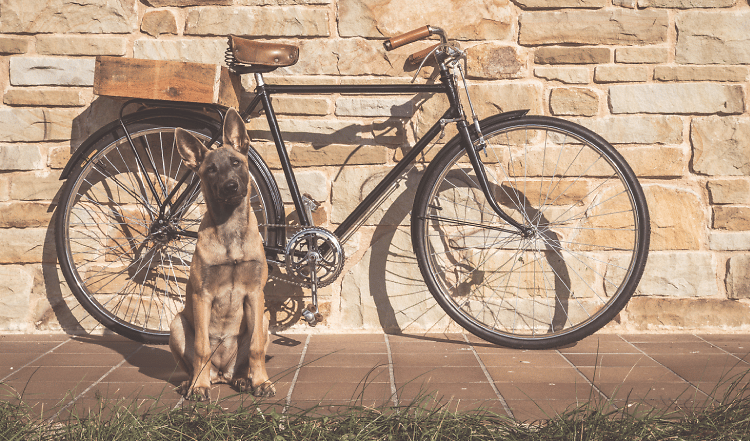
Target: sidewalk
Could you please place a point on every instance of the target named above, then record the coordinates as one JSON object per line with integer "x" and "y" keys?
{"x": 53, "y": 372}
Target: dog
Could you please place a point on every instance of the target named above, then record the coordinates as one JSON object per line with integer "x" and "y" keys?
{"x": 222, "y": 334}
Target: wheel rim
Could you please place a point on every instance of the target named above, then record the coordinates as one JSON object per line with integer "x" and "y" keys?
{"x": 130, "y": 263}
{"x": 577, "y": 260}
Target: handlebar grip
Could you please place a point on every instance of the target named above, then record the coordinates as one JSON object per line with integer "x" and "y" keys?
{"x": 409, "y": 37}
{"x": 417, "y": 57}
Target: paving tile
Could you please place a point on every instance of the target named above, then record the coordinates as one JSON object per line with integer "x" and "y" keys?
{"x": 529, "y": 411}
{"x": 329, "y": 346}
{"x": 697, "y": 347}
{"x": 601, "y": 344}
{"x": 592, "y": 360}
{"x": 440, "y": 359}
{"x": 661, "y": 338}
{"x": 65, "y": 374}
{"x": 68, "y": 360}
{"x": 287, "y": 344}
{"x": 29, "y": 347}
{"x": 341, "y": 391}
{"x": 439, "y": 374}
{"x": 445, "y": 391}
{"x": 337, "y": 360}
{"x": 150, "y": 355}
{"x": 421, "y": 347}
{"x": 32, "y": 338}
{"x": 332, "y": 407}
{"x": 579, "y": 391}
{"x": 342, "y": 375}
{"x": 93, "y": 345}
{"x": 524, "y": 359}
{"x": 614, "y": 374}
{"x": 504, "y": 374}
{"x": 56, "y": 390}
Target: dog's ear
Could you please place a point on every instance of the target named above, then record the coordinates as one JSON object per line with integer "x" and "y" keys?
{"x": 191, "y": 149}
{"x": 235, "y": 133}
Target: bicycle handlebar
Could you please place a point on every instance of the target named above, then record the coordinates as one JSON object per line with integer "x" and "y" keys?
{"x": 409, "y": 37}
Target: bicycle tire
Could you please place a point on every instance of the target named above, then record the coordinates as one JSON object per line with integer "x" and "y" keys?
{"x": 589, "y": 233}
{"x": 127, "y": 274}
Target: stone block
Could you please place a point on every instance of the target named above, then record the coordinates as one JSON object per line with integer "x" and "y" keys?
{"x": 310, "y": 182}
{"x": 546, "y": 4}
{"x": 480, "y": 20}
{"x": 673, "y": 275}
{"x": 720, "y": 146}
{"x": 47, "y": 97}
{"x": 606, "y": 26}
{"x": 18, "y": 214}
{"x": 574, "y": 101}
{"x": 712, "y": 37}
{"x": 301, "y": 105}
{"x": 337, "y": 154}
{"x": 731, "y": 218}
{"x": 21, "y": 157}
{"x": 396, "y": 107}
{"x": 701, "y": 73}
{"x": 26, "y": 245}
{"x": 16, "y": 282}
{"x": 682, "y": 98}
{"x": 621, "y": 74}
{"x": 651, "y": 129}
{"x": 642, "y": 55}
{"x": 67, "y": 17}
{"x": 353, "y": 184}
{"x": 184, "y": 3}
{"x": 729, "y": 240}
{"x": 161, "y": 22}
{"x": 30, "y": 124}
{"x": 686, "y": 4}
{"x": 72, "y": 45}
{"x": 684, "y": 315}
{"x": 282, "y": 2}
{"x": 14, "y": 45}
{"x": 495, "y": 61}
{"x": 729, "y": 191}
{"x": 488, "y": 98}
{"x": 632, "y": 4}
{"x": 656, "y": 161}
{"x": 58, "y": 157}
{"x": 572, "y": 55}
{"x": 47, "y": 71}
{"x": 325, "y": 132}
{"x": 677, "y": 217}
{"x": 37, "y": 186}
{"x": 384, "y": 289}
{"x": 204, "y": 50}
{"x": 285, "y": 21}
{"x": 738, "y": 277}
{"x": 567, "y": 75}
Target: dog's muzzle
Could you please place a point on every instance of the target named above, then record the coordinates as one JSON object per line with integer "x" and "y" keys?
{"x": 231, "y": 192}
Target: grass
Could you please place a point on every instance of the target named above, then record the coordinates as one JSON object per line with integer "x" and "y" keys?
{"x": 727, "y": 418}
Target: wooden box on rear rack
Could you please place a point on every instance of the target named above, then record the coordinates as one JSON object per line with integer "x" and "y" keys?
{"x": 166, "y": 80}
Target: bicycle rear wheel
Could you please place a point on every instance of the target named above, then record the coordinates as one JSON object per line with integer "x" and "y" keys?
{"x": 581, "y": 261}
{"x": 125, "y": 267}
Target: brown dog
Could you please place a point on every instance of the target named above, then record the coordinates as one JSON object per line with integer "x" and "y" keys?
{"x": 222, "y": 334}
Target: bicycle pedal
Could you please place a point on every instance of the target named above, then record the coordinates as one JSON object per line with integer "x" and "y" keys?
{"x": 311, "y": 315}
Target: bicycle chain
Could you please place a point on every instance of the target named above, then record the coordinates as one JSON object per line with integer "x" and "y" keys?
{"x": 283, "y": 277}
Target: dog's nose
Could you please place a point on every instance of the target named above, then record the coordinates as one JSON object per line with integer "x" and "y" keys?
{"x": 231, "y": 187}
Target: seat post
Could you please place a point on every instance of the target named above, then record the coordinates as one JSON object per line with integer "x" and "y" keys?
{"x": 259, "y": 79}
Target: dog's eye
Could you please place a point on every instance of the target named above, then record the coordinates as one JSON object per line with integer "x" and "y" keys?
{"x": 211, "y": 169}
{"x": 235, "y": 162}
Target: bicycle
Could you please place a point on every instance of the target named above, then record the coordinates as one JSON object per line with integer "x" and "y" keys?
{"x": 529, "y": 231}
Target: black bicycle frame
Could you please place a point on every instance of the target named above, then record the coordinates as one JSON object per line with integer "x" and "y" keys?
{"x": 454, "y": 113}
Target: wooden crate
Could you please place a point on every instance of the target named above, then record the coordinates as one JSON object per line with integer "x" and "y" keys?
{"x": 166, "y": 80}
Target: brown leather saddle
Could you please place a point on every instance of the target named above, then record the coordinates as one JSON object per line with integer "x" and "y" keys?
{"x": 251, "y": 56}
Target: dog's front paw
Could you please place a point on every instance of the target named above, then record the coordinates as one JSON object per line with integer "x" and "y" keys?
{"x": 266, "y": 389}
{"x": 242, "y": 384}
{"x": 193, "y": 393}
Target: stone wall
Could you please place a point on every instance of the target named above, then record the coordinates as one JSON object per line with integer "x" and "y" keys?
{"x": 664, "y": 80}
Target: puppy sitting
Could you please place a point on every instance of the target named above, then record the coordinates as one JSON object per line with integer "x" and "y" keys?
{"x": 222, "y": 334}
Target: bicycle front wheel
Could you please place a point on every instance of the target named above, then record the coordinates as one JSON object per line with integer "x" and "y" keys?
{"x": 575, "y": 268}
{"x": 124, "y": 240}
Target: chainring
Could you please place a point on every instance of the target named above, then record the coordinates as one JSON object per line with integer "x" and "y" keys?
{"x": 318, "y": 245}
